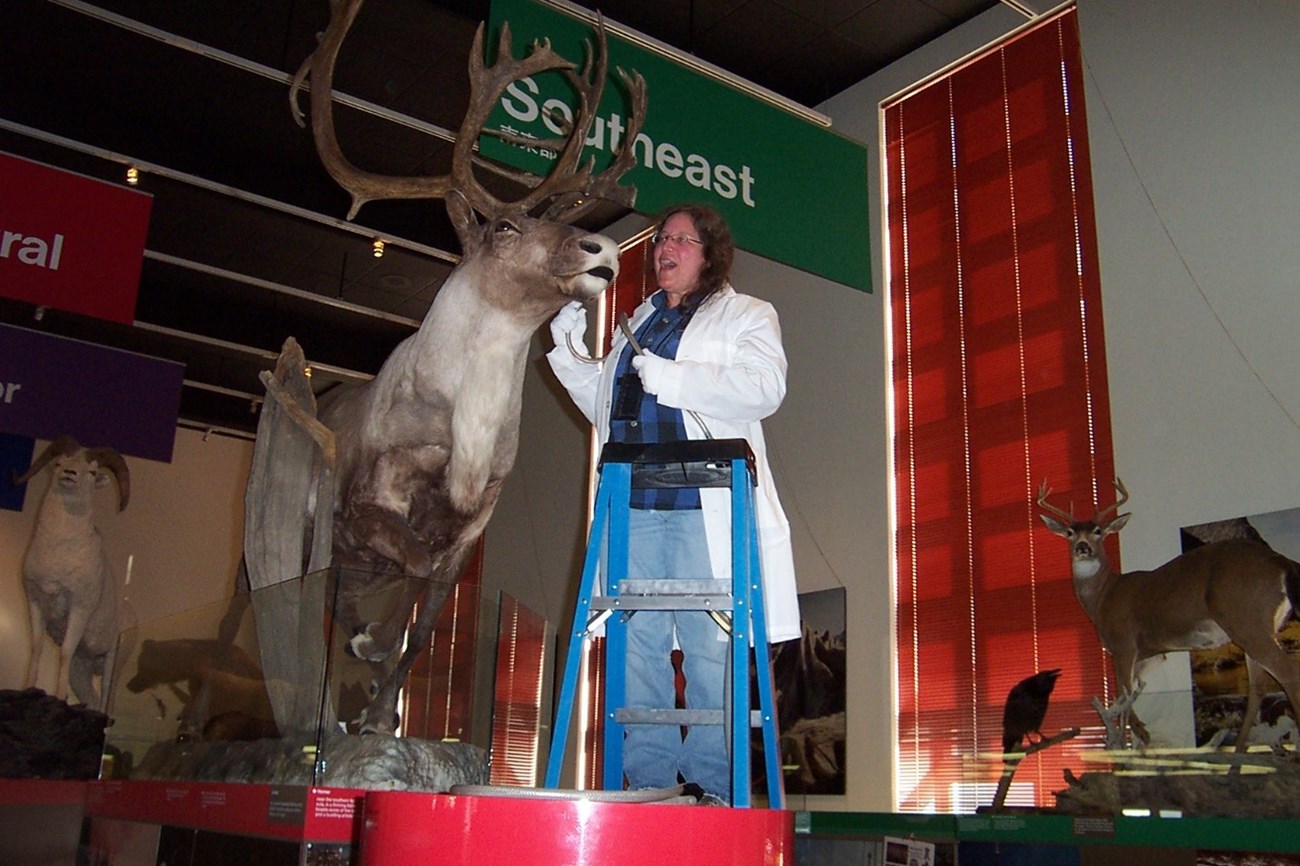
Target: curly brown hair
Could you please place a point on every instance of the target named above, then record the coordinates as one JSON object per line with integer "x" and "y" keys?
{"x": 719, "y": 248}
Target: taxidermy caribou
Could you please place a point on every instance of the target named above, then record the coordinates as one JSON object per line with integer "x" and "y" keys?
{"x": 1234, "y": 591}
{"x": 71, "y": 594}
{"x": 419, "y": 453}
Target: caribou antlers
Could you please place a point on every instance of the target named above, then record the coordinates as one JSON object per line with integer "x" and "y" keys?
{"x": 570, "y": 188}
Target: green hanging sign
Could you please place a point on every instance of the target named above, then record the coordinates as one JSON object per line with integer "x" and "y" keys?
{"x": 792, "y": 190}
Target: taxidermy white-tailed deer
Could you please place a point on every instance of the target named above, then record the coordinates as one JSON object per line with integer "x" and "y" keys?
{"x": 422, "y": 450}
{"x": 71, "y": 594}
{"x": 1235, "y": 591}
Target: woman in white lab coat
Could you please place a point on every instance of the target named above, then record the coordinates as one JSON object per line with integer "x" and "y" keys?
{"x": 713, "y": 367}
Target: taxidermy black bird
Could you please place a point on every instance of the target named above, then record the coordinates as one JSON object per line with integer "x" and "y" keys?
{"x": 1026, "y": 707}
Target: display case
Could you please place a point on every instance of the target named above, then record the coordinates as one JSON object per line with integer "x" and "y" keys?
{"x": 233, "y": 725}
{"x": 265, "y": 688}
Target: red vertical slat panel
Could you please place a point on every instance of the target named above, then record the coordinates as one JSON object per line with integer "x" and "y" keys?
{"x": 439, "y": 692}
{"x": 999, "y": 378}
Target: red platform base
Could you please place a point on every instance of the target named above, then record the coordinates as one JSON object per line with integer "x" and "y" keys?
{"x": 402, "y": 827}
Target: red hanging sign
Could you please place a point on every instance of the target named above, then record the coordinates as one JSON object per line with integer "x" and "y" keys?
{"x": 70, "y": 242}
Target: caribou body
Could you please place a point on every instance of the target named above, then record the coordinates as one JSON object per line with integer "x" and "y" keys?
{"x": 419, "y": 454}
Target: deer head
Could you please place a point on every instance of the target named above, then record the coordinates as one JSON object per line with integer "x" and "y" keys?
{"x": 1085, "y": 536}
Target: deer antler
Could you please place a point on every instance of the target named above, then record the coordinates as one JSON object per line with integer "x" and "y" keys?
{"x": 1123, "y": 497}
{"x": 1043, "y": 492}
{"x": 575, "y": 190}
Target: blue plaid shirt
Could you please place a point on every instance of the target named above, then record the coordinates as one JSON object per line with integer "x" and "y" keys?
{"x": 661, "y": 334}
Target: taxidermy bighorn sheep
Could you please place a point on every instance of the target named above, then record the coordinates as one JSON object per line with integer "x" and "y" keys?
{"x": 71, "y": 594}
{"x": 1235, "y": 591}
{"x": 419, "y": 454}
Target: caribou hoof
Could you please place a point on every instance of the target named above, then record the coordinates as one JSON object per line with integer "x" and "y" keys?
{"x": 363, "y": 646}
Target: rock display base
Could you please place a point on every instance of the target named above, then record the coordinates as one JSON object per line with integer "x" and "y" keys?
{"x": 1208, "y": 785}
{"x": 42, "y": 737}
{"x": 376, "y": 763}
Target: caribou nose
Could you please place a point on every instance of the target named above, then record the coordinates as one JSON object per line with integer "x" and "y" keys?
{"x": 589, "y": 246}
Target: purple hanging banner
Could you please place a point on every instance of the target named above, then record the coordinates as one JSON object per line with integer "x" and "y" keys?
{"x": 52, "y": 385}
{"x": 15, "y": 457}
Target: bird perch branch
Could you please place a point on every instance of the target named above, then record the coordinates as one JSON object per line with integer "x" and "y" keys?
{"x": 1010, "y": 763}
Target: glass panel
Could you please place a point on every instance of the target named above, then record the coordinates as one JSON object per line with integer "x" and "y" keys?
{"x": 268, "y": 689}
{"x": 522, "y": 703}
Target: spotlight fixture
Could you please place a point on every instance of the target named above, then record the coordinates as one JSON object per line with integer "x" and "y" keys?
{"x": 306, "y": 371}
{"x": 132, "y": 175}
{"x": 378, "y": 247}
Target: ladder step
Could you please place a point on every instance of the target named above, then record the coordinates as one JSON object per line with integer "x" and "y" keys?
{"x": 662, "y": 716}
{"x": 660, "y": 602}
{"x": 667, "y": 595}
{"x": 673, "y": 587}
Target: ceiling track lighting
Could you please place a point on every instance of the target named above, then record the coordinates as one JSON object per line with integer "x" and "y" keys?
{"x": 378, "y": 248}
{"x": 132, "y": 175}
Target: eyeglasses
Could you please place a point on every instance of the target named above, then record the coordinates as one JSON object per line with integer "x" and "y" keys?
{"x": 680, "y": 240}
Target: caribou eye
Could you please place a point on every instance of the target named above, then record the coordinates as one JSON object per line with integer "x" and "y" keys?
{"x": 506, "y": 227}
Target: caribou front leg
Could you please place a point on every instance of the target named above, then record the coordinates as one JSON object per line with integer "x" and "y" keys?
{"x": 388, "y": 535}
{"x": 376, "y": 641}
{"x": 380, "y": 716}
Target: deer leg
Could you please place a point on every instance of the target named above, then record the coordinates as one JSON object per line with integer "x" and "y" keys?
{"x": 1265, "y": 660}
{"x": 1257, "y": 679}
{"x": 1126, "y": 673}
{"x": 388, "y": 535}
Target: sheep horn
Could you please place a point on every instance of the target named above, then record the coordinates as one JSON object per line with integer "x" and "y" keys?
{"x": 63, "y": 445}
{"x": 113, "y": 462}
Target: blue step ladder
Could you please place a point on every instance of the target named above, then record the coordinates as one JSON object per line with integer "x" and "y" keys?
{"x": 737, "y": 605}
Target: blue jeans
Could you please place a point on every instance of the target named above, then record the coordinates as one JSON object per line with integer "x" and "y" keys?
{"x": 672, "y": 544}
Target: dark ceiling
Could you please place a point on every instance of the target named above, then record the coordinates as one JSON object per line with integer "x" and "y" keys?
{"x": 247, "y": 242}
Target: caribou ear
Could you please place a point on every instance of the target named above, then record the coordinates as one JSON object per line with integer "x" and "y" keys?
{"x": 463, "y": 219}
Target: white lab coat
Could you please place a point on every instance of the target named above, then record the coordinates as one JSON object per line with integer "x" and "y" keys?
{"x": 730, "y": 370}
